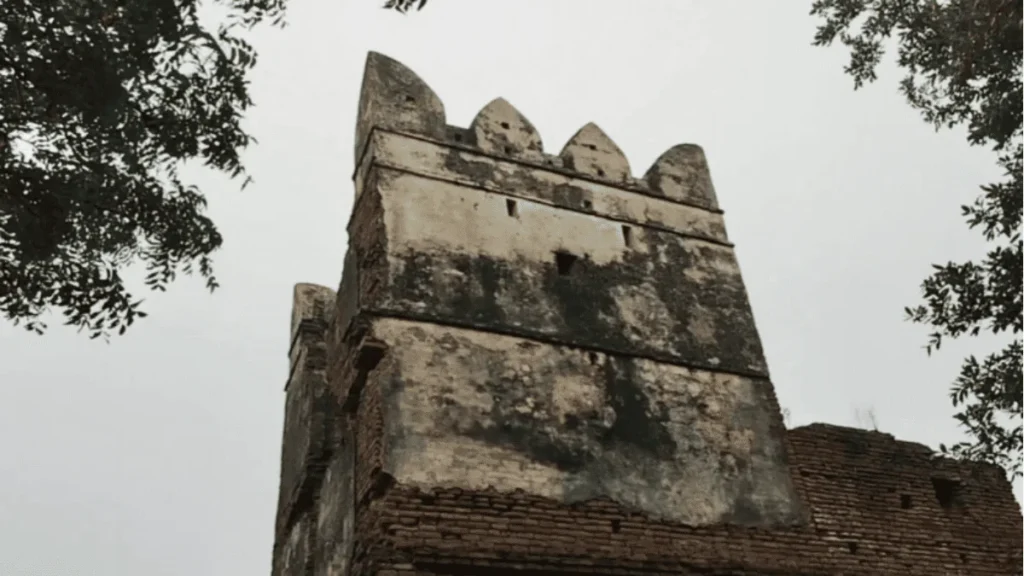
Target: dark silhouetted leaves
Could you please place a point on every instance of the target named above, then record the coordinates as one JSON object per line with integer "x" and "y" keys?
{"x": 404, "y": 6}
{"x": 963, "y": 67}
{"x": 101, "y": 101}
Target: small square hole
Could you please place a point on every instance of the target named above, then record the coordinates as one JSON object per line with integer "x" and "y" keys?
{"x": 511, "y": 208}
{"x": 906, "y": 502}
{"x": 947, "y": 492}
{"x": 564, "y": 262}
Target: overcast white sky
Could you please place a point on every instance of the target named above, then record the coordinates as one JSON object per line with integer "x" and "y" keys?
{"x": 158, "y": 454}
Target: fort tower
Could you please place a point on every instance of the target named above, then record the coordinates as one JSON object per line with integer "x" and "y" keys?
{"x": 540, "y": 362}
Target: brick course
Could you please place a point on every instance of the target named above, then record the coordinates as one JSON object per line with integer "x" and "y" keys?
{"x": 855, "y": 482}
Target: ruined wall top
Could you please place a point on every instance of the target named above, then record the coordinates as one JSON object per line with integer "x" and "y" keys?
{"x": 394, "y": 98}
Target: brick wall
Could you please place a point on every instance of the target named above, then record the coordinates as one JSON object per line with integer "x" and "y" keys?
{"x": 873, "y": 503}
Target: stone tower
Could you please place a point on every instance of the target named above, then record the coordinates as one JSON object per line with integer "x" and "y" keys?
{"x": 532, "y": 360}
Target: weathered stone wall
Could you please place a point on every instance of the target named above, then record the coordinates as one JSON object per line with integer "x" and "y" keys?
{"x": 554, "y": 326}
{"x": 315, "y": 513}
{"x": 521, "y": 244}
{"x": 541, "y": 363}
{"x": 470, "y": 409}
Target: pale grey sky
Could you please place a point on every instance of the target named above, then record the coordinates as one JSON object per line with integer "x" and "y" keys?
{"x": 158, "y": 454}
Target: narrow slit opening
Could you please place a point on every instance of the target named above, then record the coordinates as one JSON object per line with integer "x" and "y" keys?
{"x": 627, "y": 236}
{"x": 511, "y": 208}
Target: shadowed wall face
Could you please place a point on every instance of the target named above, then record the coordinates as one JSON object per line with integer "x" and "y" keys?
{"x": 551, "y": 323}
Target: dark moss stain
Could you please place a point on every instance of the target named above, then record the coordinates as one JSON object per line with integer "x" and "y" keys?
{"x": 313, "y": 427}
{"x": 480, "y": 172}
{"x": 584, "y": 298}
{"x": 697, "y": 189}
{"x": 570, "y": 445}
{"x": 653, "y": 178}
{"x": 569, "y": 196}
{"x": 636, "y": 423}
{"x": 475, "y": 301}
{"x": 347, "y": 305}
{"x": 532, "y": 432}
{"x": 745, "y": 511}
{"x": 519, "y": 418}
{"x": 520, "y": 433}
{"x": 587, "y": 313}
{"x": 737, "y": 343}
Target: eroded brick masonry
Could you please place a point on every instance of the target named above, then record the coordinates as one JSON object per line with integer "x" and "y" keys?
{"x": 540, "y": 364}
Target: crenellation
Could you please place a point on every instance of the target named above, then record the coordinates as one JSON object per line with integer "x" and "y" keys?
{"x": 590, "y": 151}
{"x": 500, "y": 129}
{"x": 539, "y": 364}
{"x": 682, "y": 173}
{"x": 395, "y": 99}
{"x": 312, "y": 309}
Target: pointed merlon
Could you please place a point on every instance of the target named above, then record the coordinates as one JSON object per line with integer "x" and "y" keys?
{"x": 590, "y": 151}
{"x": 311, "y": 303}
{"x": 394, "y": 97}
{"x": 682, "y": 173}
{"x": 501, "y": 129}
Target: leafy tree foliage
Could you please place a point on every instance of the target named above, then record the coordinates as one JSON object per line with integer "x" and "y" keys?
{"x": 962, "y": 60}
{"x": 100, "y": 103}
{"x": 404, "y": 6}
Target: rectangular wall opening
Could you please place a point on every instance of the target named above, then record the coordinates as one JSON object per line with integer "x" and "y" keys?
{"x": 947, "y": 492}
{"x": 565, "y": 262}
{"x": 511, "y": 208}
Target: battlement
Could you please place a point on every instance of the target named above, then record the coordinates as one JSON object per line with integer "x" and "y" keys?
{"x": 394, "y": 99}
